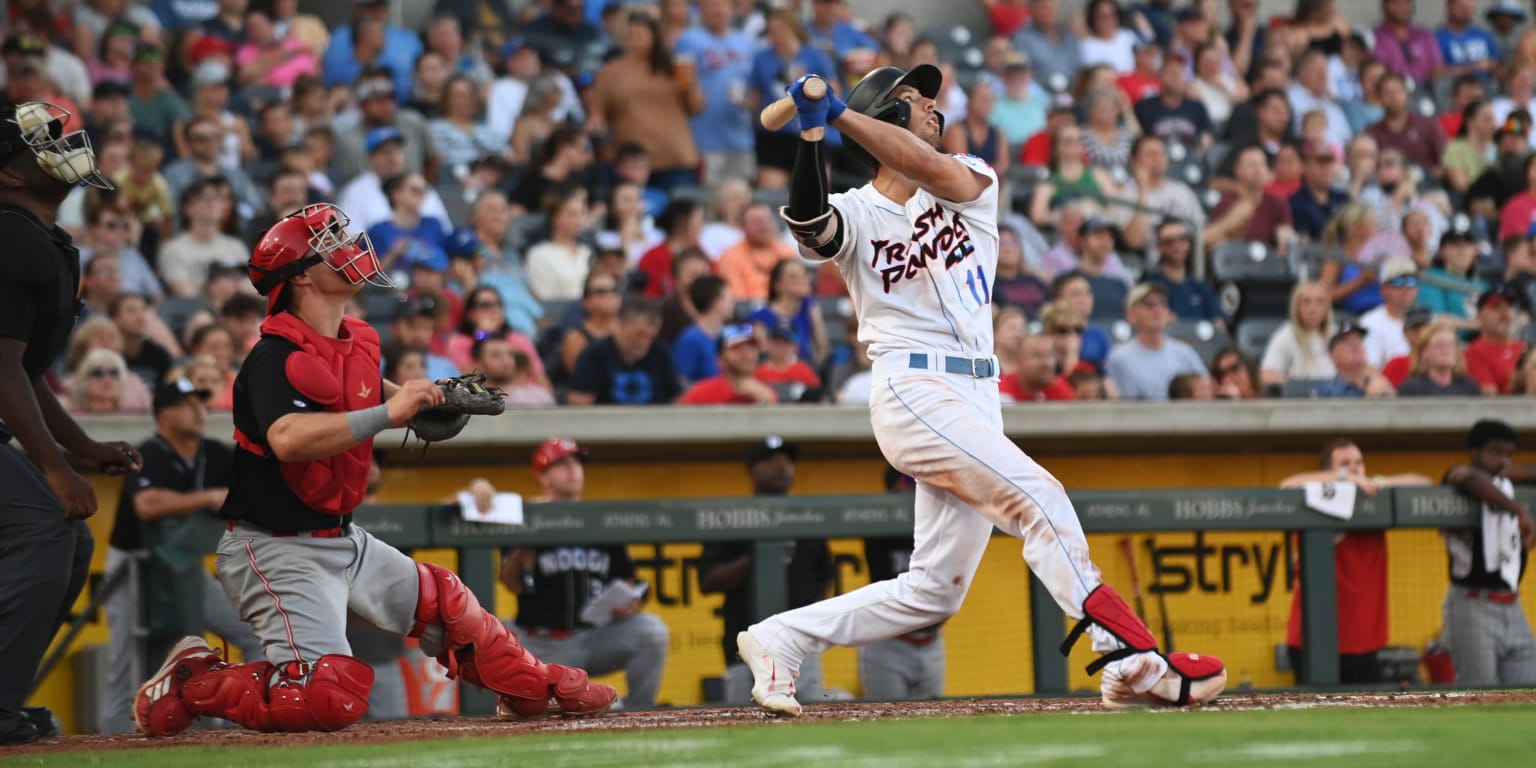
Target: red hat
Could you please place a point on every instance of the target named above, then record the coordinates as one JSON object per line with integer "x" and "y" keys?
{"x": 208, "y": 46}
{"x": 553, "y": 450}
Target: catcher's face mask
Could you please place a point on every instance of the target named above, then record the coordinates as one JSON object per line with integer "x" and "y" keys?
{"x": 67, "y": 157}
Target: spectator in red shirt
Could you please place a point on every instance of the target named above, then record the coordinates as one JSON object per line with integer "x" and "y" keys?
{"x": 1006, "y": 15}
{"x": 1419, "y": 138}
{"x": 737, "y": 383}
{"x": 1415, "y": 320}
{"x": 1036, "y": 379}
{"x": 1037, "y": 149}
{"x": 783, "y": 370}
{"x": 682, "y": 221}
{"x": 1142, "y": 82}
{"x": 1468, "y": 89}
{"x": 1491, "y": 359}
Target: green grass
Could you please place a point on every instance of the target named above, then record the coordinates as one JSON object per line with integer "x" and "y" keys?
{"x": 1462, "y": 735}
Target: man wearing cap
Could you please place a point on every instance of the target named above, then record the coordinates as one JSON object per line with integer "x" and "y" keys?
{"x": 1415, "y": 320}
{"x": 737, "y": 382}
{"x": 1505, "y": 176}
{"x": 1144, "y": 80}
{"x": 1384, "y": 324}
{"x": 413, "y": 328}
{"x": 401, "y": 47}
{"x": 1189, "y": 297}
{"x": 181, "y": 485}
{"x": 1053, "y": 50}
{"x": 1172, "y": 115}
{"x": 555, "y": 584}
{"x": 28, "y": 78}
{"x": 1096, "y": 261}
{"x": 1492, "y": 358}
{"x": 1142, "y": 367}
{"x": 1353, "y": 377}
{"x": 726, "y": 567}
{"x": 204, "y": 139}
{"x": 364, "y": 195}
{"x": 381, "y": 114}
{"x": 1505, "y": 19}
{"x": 153, "y": 104}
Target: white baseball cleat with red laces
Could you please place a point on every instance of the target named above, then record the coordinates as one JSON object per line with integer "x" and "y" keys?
{"x": 773, "y": 688}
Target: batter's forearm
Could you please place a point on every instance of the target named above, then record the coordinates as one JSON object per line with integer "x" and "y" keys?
{"x": 812, "y": 220}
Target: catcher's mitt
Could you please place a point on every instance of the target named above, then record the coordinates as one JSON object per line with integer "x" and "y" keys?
{"x": 463, "y": 396}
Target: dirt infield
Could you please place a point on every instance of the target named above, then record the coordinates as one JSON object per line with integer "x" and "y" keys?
{"x": 422, "y": 730}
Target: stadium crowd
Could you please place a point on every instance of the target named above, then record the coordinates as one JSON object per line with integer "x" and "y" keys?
{"x": 575, "y": 198}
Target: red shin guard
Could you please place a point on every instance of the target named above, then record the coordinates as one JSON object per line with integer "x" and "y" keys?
{"x": 333, "y": 696}
{"x": 1107, "y": 609}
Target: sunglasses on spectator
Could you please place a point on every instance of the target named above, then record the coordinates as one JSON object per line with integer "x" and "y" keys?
{"x": 486, "y": 305}
{"x": 1065, "y": 329}
{"x": 103, "y": 373}
{"x": 1408, "y": 281}
{"x": 602, "y": 290}
{"x": 1173, "y": 240}
{"x": 1228, "y": 370}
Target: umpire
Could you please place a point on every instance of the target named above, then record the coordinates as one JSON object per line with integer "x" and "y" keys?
{"x": 45, "y": 546}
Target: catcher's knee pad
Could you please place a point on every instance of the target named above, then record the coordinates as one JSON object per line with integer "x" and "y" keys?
{"x": 479, "y": 647}
{"x": 1107, "y": 609}
{"x": 332, "y": 696}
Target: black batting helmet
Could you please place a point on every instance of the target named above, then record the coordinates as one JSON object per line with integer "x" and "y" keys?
{"x": 872, "y": 96}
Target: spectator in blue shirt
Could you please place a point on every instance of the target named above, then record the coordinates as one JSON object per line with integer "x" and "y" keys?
{"x": 723, "y": 59}
{"x": 1189, "y": 297}
{"x": 695, "y": 353}
{"x": 398, "y": 48}
{"x": 848, "y": 46}
{"x": 783, "y": 60}
{"x": 1053, "y": 51}
{"x": 1465, "y": 49}
{"x": 575, "y": 44}
{"x": 408, "y": 235}
{"x": 176, "y": 15}
{"x": 1317, "y": 201}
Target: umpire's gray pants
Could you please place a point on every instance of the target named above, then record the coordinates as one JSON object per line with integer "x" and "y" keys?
{"x": 123, "y": 617}
{"x": 636, "y": 644}
{"x": 44, "y": 561}
{"x": 895, "y": 670}
{"x": 1490, "y": 643}
{"x": 808, "y": 686}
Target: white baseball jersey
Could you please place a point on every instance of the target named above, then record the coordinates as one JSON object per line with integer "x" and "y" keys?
{"x": 920, "y": 275}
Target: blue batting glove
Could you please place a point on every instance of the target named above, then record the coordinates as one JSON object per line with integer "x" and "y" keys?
{"x": 813, "y": 112}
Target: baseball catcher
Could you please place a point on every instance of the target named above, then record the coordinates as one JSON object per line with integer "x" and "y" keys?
{"x": 307, "y": 404}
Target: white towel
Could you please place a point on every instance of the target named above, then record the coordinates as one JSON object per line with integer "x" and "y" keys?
{"x": 1501, "y": 539}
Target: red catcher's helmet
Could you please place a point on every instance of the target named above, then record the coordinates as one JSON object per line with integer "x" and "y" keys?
{"x": 315, "y": 234}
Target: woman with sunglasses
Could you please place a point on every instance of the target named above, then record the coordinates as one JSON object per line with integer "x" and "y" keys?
{"x": 97, "y": 383}
{"x": 1450, "y": 287}
{"x": 485, "y": 317}
{"x": 100, "y": 333}
{"x": 600, "y": 300}
{"x": 1232, "y": 373}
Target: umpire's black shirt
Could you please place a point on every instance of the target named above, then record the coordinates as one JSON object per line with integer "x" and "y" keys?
{"x": 39, "y": 290}
{"x": 166, "y": 469}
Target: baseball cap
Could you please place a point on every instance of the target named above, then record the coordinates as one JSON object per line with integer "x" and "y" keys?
{"x": 1512, "y": 8}
{"x": 208, "y": 46}
{"x": 1458, "y": 236}
{"x": 211, "y": 73}
{"x": 426, "y": 256}
{"x": 173, "y": 393}
{"x": 374, "y": 88}
{"x": 109, "y": 89}
{"x": 1512, "y": 124}
{"x": 22, "y": 45}
{"x": 1344, "y": 332}
{"x": 1417, "y": 316}
{"x": 1397, "y": 269}
{"x": 1094, "y": 224}
{"x": 121, "y": 28}
{"x": 513, "y": 46}
{"x": 740, "y": 333}
{"x": 783, "y": 333}
{"x": 1142, "y": 291}
{"x": 463, "y": 244}
{"x": 770, "y": 445}
{"x": 554, "y": 450}
{"x": 1499, "y": 294}
{"x": 378, "y": 137}
{"x": 420, "y": 305}
{"x": 147, "y": 52}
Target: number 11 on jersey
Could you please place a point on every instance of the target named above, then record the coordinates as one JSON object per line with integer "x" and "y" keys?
{"x": 976, "y": 279}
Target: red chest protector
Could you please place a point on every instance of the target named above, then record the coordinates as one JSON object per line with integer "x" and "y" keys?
{"x": 340, "y": 374}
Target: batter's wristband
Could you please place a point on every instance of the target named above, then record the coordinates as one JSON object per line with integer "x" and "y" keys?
{"x": 367, "y": 422}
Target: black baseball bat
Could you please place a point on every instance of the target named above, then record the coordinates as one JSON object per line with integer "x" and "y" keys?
{"x": 1162, "y": 603}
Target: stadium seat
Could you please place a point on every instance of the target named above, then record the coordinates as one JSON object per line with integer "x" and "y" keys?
{"x": 175, "y": 311}
{"x": 1203, "y": 335}
{"x": 1253, "y": 335}
{"x": 1296, "y": 388}
{"x": 1256, "y": 280}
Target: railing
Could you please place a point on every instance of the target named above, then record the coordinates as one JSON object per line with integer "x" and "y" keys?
{"x": 770, "y": 521}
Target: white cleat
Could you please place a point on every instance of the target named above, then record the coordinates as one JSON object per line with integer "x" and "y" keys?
{"x": 772, "y": 686}
{"x": 1190, "y": 679}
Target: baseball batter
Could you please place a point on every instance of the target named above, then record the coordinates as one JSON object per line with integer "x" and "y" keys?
{"x": 307, "y": 404}
{"x": 918, "y": 249}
